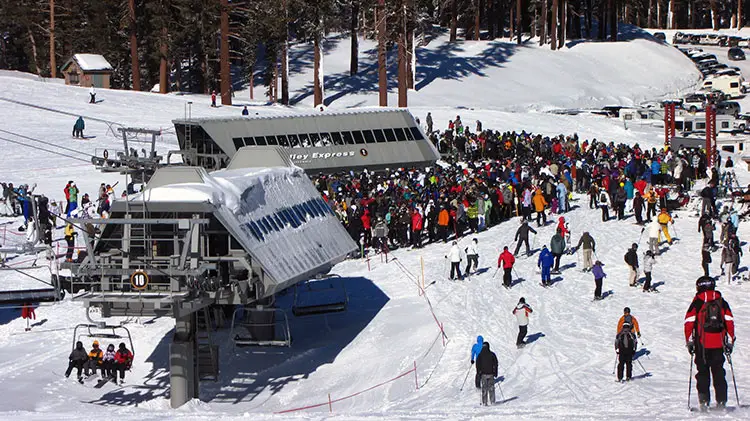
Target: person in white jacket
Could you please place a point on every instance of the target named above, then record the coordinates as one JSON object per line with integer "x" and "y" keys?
{"x": 654, "y": 229}
{"x": 472, "y": 256}
{"x": 648, "y": 264}
{"x": 522, "y": 312}
{"x": 456, "y": 258}
{"x": 92, "y": 94}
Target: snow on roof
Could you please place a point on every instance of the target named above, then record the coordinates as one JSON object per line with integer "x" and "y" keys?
{"x": 92, "y": 62}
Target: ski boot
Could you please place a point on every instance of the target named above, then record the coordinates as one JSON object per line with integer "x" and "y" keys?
{"x": 721, "y": 406}
{"x": 703, "y": 406}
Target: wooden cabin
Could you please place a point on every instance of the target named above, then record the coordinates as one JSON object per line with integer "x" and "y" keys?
{"x": 87, "y": 70}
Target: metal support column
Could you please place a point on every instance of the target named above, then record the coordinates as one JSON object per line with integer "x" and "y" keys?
{"x": 183, "y": 372}
{"x": 710, "y": 135}
{"x": 669, "y": 122}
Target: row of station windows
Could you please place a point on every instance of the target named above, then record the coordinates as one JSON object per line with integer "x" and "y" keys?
{"x": 293, "y": 216}
{"x": 355, "y": 137}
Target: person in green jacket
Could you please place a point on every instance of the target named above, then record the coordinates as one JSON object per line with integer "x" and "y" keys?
{"x": 78, "y": 127}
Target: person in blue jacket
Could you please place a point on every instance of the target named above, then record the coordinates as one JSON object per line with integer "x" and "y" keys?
{"x": 546, "y": 259}
{"x": 475, "y": 350}
{"x": 655, "y": 171}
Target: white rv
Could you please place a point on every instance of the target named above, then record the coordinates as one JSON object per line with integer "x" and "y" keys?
{"x": 690, "y": 123}
{"x": 729, "y": 85}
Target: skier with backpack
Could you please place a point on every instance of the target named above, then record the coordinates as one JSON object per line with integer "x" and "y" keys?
{"x": 631, "y": 320}
{"x": 475, "y": 350}
{"x": 487, "y": 366}
{"x": 709, "y": 336}
{"x": 625, "y": 346}
{"x": 604, "y": 205}
{"x": 557, "y": 246}
{"x": 631, "y": 258}
{"x": 546, "y": 259}
{"x": 522, "y": 311}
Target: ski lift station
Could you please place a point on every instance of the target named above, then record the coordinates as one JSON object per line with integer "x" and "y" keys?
{"x": 193, "y": 239}
{"x": 321, "y": 142}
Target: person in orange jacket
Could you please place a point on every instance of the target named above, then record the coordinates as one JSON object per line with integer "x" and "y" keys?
{"x": 506, "y": 261}
{"x": 539, "y": 205}
{"x": 443, "y": 220}
{"x": 628, "y": 318}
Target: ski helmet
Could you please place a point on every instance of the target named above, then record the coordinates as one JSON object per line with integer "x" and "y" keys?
{"x": 705, "y": 283}
{"x": 626, "y": 310}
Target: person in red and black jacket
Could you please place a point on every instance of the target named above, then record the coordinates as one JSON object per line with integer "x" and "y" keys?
{"x": 123, "y": 361}
{"x": 709, "y": 334}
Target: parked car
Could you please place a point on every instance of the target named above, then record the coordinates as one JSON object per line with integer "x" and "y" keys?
{"x": 735, "y": 53}
{"x": 695, "y": 39}
{"x": 733, "y": 41}
{"x": 660, "y": 36}
{"x": 729, "y": 108}
{"x": 744, "y": 43}
{"x": 723, "y": 40}
{"x": 694, "y": 102}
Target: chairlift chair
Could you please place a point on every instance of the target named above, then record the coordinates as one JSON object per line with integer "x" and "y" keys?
{"x": 104, "y": 331}
{"x": 330, "y": 292}
{"x": 263, "y": 326}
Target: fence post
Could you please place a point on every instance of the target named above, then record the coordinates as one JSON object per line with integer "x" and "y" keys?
{"x": 368, "y": 264}
{"x": 416, "y": 381}
{"x": 330, "y": 404}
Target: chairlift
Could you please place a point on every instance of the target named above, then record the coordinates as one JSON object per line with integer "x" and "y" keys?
{"x": 102, "y": 331}
{"x": 261, "y": 326}
{"x": 320, "y": 296}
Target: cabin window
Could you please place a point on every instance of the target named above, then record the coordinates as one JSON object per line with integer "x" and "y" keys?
{"x": 304, "y": 141}
{"x": 337, "y": 140}
{"x": 278, "y": 220}
{"x": 291, "y": 217}
{"x": 314, "y": 139}
{"x": 724, "y": 124}
{"x": 271, "y": 221}
{"x": 260, "y": 141}
{"x": 369, "y": 137}
{"x": 379, "y": 136}
{"x": 389, "y": 135}
{"x": 358, "y": 138}
{"x": 238, "y": 142}
{"x": 400, "y": 135}
{"x": 408, "y": 134}
{"x": 283, "y": 141}
{"x": 74, "y": 78}
{"x": 300, "y": 213}
{"x": 348, "y": 139}
{"x": 271, "y": 140}
{"x": 416, "y": 133}
{"x": 326, "y": 139}
{"x": 248, "y": 141}
{"x": 700, "y": 126}
{"x": 734, "y": 85}
{"x": 264, "y": 222}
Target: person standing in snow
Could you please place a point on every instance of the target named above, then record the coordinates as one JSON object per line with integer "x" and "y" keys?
{"x": 522, "y": 312}
{"x": 557, "y": 247}
{"x": 648, "y": 264}
{"x": 428, "y": 120}
{"x": 475, "y": 350}
{"x": 625, "y": 346}
{"x": 604, "y": 205}
{"x": 506, "y": 261}
{"x": 599, "y": 276}
{"x": 522, "y": 237}
{"x": 589, "y": 248}
{"x": 664, "y": 218}
{"x": 213, "y": 99}
{"x": 245, "y": 111}
{"x": 455, "y": 258}
{"x": 472, "y": 256}
{"x": 631, "y": 258}
{"x": 78, "y": 128}
{"x": 709, "y": 335}
{"x": 562, "y": 197}
{"x": 92, "y": 94}
{"x": 706, "y": 226}
{"x": 654, "y": 231}
{"x": 630, "y": 319}
{"x": 487, "y": 366}
{"x": 705, "y": 258}
{"x": 546, "y": 259}
{"x": 539, "y": 204}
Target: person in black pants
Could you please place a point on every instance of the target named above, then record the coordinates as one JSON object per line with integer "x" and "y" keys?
{"x": 625, "y": 345}
{"x": 77, "y": 359}
{"x": 522, "y": 236}
{"x": 487, "y": 366}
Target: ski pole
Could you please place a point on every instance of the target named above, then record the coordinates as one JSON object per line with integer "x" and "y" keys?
{"x": 615, "y": 366}
{"x": 690, "y": 383}
{"x": 493, "y": 275}
{"x": 734, "y": 381}
{"x": 501, "y": 391}
{"x": 465, "y": 378}
{"x": 642, "y": 368}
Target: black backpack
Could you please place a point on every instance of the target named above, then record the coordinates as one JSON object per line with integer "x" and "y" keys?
{"x": 625, "y": 340}
{"x": 603, "y": 197}
{"x": 711, "y": 314}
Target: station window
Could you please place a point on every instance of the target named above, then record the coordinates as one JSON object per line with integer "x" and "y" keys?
{"x": 358, "y": 138}
{"x": 348, "y": 139}
{"x": 291, "y": 217}
{"x": 300, "y": 213}
{"x": 263, "y": 222}
{"x": 271, "y": 140}
{"x": 314, "y": 139}
{"x": 700, "y": 126}
{"x": 325, "y": 139}
{"x": 260, "y": 141}
{"x": 282, "y": 141}
{"x": 379, "y": 136}
{"x": 389, "y": 135}
{"x": 416, "y": 133}
{"x": 724, "y": 124}
{"x": 271, "y": 221}
{"x": 337, "y": 140}
{"x": 408, "y": 134}
{"x": 369, "y": 137}
{"x": 293, "y": 141}
{"x": 238, "y": 143}
{"x": 400, "y": 135}
{"x": 249, "y": 141}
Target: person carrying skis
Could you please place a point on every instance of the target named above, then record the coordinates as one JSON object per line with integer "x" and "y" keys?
{"x": 557, "y": 247}
{"x": 475, "y": 350}
{"x": 522, "y": 237}
{"x": 709, "y": 335}
{"x": 625, "y": 346}
{"x": 455, "y": 258}
{"x": 546, "y": 260}
{"x": 631, "y": 258}
{"x": 123, "y": 361}
{"x": 648, "y": 264}
{"x": 665, "y": 219}
{"x": 522, "y": 312}
{"x": 589, "y": 248}
{"x": 94, "y": 361}
{"x": 487, "y": 366}
{"x": 599, "y": 276}
{"x": 77, "y": 359}
{"x": 472, "y": 256}
{"x": 506, "y": 261}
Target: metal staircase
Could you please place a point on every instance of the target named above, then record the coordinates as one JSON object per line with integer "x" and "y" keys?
{"x": 208, "y": 353}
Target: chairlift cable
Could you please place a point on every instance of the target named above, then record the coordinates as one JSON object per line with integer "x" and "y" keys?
{"x": 45, "y": 142}
{"x": 44, "y": 150}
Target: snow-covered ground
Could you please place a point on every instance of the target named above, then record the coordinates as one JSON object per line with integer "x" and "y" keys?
{"x": 565, "y": 373}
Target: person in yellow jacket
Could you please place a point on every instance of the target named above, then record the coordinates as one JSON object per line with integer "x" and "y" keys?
{"x": 70, "y": 240}
{"x": 665, "y": 219}
{"x": 651, "y": 197}
{"x": 95, "y": 360}
{"x": 539, "y": 205}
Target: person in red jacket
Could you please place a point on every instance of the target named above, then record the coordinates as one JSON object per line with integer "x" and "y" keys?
{"x": 506, "y": 261}
{"x": 123, "y": 361}
{"x": 417, "y": 223}
{"x": 366, "y": 225}
{"x": 709, "y": 334}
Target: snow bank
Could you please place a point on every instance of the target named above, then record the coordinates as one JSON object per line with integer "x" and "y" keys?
{"x": 92, "y": 62}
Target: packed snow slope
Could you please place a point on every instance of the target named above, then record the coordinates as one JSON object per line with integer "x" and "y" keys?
{"x": 564, "y": 373}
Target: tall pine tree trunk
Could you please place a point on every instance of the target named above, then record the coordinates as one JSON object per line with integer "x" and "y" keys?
{"x": 354, "y": 56}
{"x": 511, "y": 20}
{"x": 135, "y": 66}
{"x": 553, "y": 24}
{"x": 563, "y": 23}
{"x": 401, "y": 75}
{"x": 163, "y": 77}
{"x": 52, "y": 59}
{"x": 226, "y": 81}
{"x": 477, "y": 18}
{"x": 650, "y": 17}
{"x": 34, "y": 54}
{"x": 543, "y": 35}
{"x": 382, "y": 75}
{"x": 454, "y": 20}
{"x": 318, "y": 72}
{"x": 518, "y": 22}
{"x": 670, "y": 15}
{"x": 715, "y": 15}
{"x": 658, "y": 15}
{"x": 612, "y": 10}
{"x": 411, "y": 48}
{"x": 285, "y": 55}
{"x": 491, "y": 19}
{"x": 739, "y": 14}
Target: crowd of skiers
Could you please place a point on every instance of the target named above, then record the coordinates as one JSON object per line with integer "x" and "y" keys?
{"x": 110, "y": 363}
